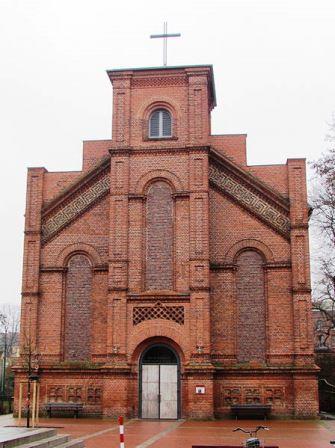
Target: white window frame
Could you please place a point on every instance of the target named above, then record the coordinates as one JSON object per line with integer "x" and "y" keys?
{"x": 160, "y": 123}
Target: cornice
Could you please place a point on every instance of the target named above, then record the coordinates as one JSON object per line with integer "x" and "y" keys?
{"x": 301, "y": 290}
{"x": 278, "y": 265}
{"x": 233, "y": 267}
{"x": 223, "y": 267}
{"x": 122, "y": 151}
{"x": 155, "y": 149}
{"x": 30, "y": 293}
{"x": 162, "y": 297}
{"x": 246, "y": 371}
{"x": 60, "y": 269}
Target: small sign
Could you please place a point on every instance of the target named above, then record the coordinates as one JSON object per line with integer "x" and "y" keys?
{"x": 200, "y": 390}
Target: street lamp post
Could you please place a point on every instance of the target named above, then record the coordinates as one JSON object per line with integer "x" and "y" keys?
{"x": 3, "y": 376}
{"x": 32, "y": 369}
{"x": 4, "y": 325}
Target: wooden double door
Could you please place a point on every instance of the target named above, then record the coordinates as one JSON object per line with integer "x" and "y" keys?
{"x": 159, "y": 391}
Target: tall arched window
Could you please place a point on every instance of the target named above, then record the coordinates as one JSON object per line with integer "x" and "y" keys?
{"x": 251, "y": 307}
{"x": 77, "y": 322}
{"x": 159, "y": 237}
{"x": 160, "y": 124}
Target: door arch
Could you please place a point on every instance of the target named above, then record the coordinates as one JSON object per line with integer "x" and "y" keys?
{"x": 159, "y": 383}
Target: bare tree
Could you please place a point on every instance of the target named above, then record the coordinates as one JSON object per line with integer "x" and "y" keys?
{"x": 9, "y": 327}
{"x": 324, "y": 219}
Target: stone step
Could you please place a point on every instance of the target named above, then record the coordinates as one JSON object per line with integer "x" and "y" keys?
{"x": 28, "y": 436}
{"x": 75, "y": 443}
{"x": 48, "y": 442}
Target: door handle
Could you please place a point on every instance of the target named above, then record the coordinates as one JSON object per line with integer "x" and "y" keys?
{"x": 159, "y": 398}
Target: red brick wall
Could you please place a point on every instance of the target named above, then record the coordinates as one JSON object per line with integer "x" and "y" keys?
{"x": 275, "y": 176}
{"x": 276, "y": 390}
{"x": 156, "y": 238}
{"x": 159, "y": 226}
{"x": 232, "y": 146}
{"x": 77, "y": 332}
{"x": 251, "y": 336}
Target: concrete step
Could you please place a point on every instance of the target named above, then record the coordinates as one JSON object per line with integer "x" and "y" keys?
{"x": 27, "y": 436}
{"x": 48, "y": 442}
{"x": 75, "y": 443}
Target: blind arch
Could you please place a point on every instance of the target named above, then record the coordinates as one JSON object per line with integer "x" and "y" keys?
{"x": 78, "y": 309}
{"x": 251, "y": 307}
{"x": 159, "y": 237}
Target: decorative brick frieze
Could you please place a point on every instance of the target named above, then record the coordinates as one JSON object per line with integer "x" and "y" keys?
{"x": 247, "y": 198}
{"x": 94, "y": 395}
{"x": 158, "y": 311}
{"x": 272, "y": 395}
{"x": 159, "y": 82}
{"x": 74, "y": 393}
{"x": 56, "y": 393}
{"x": 51, "y": 225}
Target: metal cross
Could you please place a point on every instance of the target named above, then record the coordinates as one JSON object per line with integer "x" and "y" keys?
{"x": 164, "y": 36}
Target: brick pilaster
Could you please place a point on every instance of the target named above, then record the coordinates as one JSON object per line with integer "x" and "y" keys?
{"x": 303, "y": 338}
{"x": 31, "y": 257}
{"x": 199, "y": 254}
{"x": 198, "y": 108}
{"x": 121, "y": 110}
{"x": 118, "y": 255}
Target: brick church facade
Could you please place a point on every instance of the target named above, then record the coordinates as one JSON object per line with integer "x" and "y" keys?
{"x": 168, "y": 278}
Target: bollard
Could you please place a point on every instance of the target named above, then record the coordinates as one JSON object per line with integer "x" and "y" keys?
{"x": 120, "y": 421}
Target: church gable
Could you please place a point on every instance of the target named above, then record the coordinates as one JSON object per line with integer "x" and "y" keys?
{"x": 262, "y": 201}
{"x": 231, "y": 225}
{"x": 90, "y": 227}
{"x": 76, "y": 200}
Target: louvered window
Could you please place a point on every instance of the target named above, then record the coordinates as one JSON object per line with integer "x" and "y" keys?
{"x": 160, "y": 124}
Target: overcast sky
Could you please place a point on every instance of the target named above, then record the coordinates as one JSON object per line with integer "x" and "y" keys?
{"x": 274, "y": 70}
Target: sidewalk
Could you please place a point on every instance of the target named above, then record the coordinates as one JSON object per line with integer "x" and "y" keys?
{"x": 182, "y": 434}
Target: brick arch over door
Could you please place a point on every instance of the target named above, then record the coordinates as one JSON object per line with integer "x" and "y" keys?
{"x": 158, "y": 331}
{"x": 159, "y": 237}
{"x": 78, "y": 308}
{"x": 251, "y": 307}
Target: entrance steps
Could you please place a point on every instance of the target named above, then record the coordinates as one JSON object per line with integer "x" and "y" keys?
{"x": 40, "y": 438}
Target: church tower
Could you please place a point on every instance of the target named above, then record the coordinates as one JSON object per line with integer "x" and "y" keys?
{"x": 169, "y": 279}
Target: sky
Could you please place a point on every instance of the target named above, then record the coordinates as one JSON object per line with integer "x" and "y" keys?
{"x": 274, "y": 71}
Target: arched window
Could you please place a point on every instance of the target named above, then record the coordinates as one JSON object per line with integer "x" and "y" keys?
{"x": 77, "y": 322}
{"x": 251, "y": 307}
{"x": 160, "y": 124}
